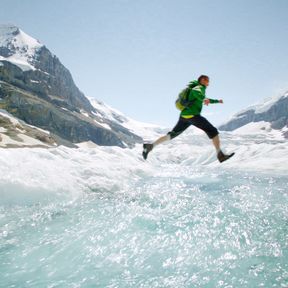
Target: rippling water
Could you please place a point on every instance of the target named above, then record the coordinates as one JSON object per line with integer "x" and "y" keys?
{"x": 183, "y": 227}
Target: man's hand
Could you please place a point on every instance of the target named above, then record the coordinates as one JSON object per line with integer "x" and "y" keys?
{"x": 206, "y": 101}
{"x": 221, "y": 101}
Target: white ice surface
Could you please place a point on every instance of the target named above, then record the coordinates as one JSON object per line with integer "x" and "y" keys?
{"x": 99, "y": 168}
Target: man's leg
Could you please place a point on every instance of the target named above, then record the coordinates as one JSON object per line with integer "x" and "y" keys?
{"x": 203, "y": 124}
{"x": 216, "y": 143}
{"x": 161, "y": 140}
{"x": 181, "y": 125}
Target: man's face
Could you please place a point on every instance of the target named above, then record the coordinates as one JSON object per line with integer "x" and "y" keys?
{"x": 204, "y": 81}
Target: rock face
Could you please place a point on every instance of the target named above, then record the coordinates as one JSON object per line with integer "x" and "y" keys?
{"x": 37, "y": 88}
{"x": 274, "y": 111}
{"x": 16, "y": 133}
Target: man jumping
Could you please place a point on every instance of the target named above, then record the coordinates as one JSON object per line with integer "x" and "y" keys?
{"x": 190, "y": 115}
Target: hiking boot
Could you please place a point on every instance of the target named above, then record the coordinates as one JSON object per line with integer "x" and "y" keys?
{"x": 222, "y": 157}
{"x": 146, "y": 149}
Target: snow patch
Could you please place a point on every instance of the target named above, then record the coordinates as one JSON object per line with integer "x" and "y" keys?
{"x": 3, "y": 130}
{"x": 26, "y": 141}
{"x": 87, "y": 144}
{"x": 104, "y": 125}
{"x": 29, "y": 141}
{"x": 40, "y": 129}
{"x": 84, "y": 113}
{"x": 254, "y": 127}
{"x": 12, "y": 119}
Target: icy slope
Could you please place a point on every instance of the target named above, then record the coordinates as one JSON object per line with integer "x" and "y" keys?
{"x": 111, "y": 168}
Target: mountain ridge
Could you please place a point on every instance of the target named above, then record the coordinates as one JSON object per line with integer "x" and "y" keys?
{"x": 37, "y": 88}
{"x": 272, "y": 110}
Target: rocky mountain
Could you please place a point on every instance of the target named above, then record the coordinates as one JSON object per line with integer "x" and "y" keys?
{"x": 273, "y": 111}
{"x": 36, "y": 88}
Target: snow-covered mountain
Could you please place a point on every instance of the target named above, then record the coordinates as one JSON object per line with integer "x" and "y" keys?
{"x": 146, "y": 131}
{"x": 36, "y": 88}
{"x": 271, "y": 114}
{"x": 18, "y": 48}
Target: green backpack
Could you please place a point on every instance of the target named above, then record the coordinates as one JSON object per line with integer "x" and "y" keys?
{"x": 182, "y": 101}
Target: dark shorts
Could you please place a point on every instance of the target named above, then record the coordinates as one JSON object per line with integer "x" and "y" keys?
{"x": 198, "y": 121}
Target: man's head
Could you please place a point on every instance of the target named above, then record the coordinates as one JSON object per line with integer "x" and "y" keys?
{"x": 203, "y": 80}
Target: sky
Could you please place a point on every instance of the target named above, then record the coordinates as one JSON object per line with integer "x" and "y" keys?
{"x": 137, "y": 55}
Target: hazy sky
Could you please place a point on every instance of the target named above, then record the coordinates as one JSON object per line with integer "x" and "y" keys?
{"x": 136, "y": 55}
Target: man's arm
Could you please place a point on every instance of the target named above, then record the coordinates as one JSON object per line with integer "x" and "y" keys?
{"x": 208, "y": 101}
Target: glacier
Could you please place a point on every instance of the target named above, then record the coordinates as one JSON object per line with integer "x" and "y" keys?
{"x": 103, "y": 217}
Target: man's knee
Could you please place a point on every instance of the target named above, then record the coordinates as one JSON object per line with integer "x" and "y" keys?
{"x": 173, "y": 134}
{"x": 212, "y": 132}
{"x": 208, "y": 128}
